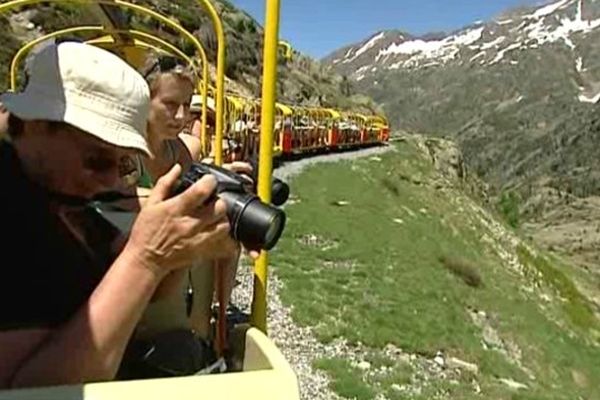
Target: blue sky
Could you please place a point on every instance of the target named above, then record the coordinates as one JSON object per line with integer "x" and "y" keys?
{"x": 317, "y": 27}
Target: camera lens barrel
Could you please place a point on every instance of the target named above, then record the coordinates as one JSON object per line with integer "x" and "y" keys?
{"x": 255, "y": 224}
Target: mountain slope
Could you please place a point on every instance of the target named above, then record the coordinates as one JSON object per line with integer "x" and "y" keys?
{"x": 518, "y": 94}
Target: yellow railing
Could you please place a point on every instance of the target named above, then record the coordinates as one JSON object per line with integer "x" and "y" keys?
{"x": 259, "y": 300}
{"x": 220, "y": 99}
{"x": 163, "y": 46}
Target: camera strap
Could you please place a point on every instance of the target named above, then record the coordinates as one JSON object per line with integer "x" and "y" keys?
{"x": 120, "y": 218}
{"x": 221, "y": 340}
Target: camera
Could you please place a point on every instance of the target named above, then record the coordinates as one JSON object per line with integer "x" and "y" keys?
{"x": 255, "y": 224}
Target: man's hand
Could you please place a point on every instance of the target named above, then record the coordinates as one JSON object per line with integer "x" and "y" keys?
{"x": 172, "y": 232}
{"x": 239, "y": 167}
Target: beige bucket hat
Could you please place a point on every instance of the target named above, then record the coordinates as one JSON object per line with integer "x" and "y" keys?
{"x": 89, "y": 88}
{"x": 196, "y": 103}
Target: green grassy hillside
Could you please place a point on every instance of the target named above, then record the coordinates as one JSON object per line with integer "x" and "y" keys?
{"x": 434, "y": 296}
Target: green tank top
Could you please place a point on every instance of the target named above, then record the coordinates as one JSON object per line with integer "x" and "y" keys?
{"x": 145, "y": 180}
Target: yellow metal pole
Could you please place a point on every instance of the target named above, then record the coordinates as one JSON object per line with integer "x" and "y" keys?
{"x": 165, "y": 46}
{"x": 204, "y": 92}
{"x": 259, "y": 301}
{"x": 220, "y": 102}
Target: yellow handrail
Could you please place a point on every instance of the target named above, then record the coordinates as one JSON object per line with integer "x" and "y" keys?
{"x": 22, "y": 52}
{"x": 220, "y": 52}
{"x": 259, "y": 298}
{"x": 287, "y": 52}
{"x": 285, "y": 110}
{"x": 166, "y": 47}
{"x": 29, "y": 45}
{"x": 220, "y": 100}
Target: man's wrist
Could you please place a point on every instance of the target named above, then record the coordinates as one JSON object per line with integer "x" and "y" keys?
{"x": 136, "y": 256}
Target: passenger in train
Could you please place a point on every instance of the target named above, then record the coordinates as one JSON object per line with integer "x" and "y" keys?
{"x": 171, "y": 90}
{"x": 179, "y": 320}
{"x": 235, "y": 151}
{"x": 232, "y": 149}
{"x": 196, "y": 123}
{"x": 69, "y": 302}
{"x": 196, "y": 116}
{"x": 241, "y": 128}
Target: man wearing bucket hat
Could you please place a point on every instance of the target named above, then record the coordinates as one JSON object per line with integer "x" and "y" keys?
{"x": 196, "y": 127}
{"x": 196, "y": 112}
{"x": 67, "y": 310}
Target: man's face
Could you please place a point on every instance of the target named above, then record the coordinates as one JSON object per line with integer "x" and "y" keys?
{"x": 170, "y": 106}
{"x": 72, "y": 162}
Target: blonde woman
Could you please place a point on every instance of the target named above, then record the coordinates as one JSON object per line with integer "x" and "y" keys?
{"x": 172, "y": 316}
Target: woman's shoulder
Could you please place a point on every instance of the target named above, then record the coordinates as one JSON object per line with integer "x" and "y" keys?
{"x": 191, "y": 144}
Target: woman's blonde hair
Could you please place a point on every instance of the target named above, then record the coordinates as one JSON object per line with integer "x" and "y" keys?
{"x": 159, "y": 69}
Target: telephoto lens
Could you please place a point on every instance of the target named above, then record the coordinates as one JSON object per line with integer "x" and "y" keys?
{"x": 257, "y": 225}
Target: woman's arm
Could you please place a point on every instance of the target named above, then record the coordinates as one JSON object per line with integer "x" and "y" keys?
{"x": 193, "y": 147}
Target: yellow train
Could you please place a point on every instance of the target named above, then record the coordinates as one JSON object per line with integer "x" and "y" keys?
{"x": 260, "y": 127}
{"x": 301, "y": 130}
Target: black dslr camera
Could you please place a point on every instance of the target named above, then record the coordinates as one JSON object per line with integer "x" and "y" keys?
{"x": 257, "y": 225}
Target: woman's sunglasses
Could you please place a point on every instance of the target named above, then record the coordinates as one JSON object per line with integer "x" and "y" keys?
{"x": 165, "y": 64}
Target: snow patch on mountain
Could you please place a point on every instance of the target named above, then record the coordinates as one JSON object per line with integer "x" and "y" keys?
{"x": 560, "y": 22}
{"x": 549, "y": 9}
{"x": 585, "y": 99}
{"x": 369, "y": 44}
{"x": 494, "y": 43}
{"x": 443, "y": 50}
{"x": 546, "y": 34}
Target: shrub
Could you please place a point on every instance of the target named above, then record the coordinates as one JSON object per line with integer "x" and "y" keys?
{"x": 509, "y": 208}
{"x": 463, "y": 269}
